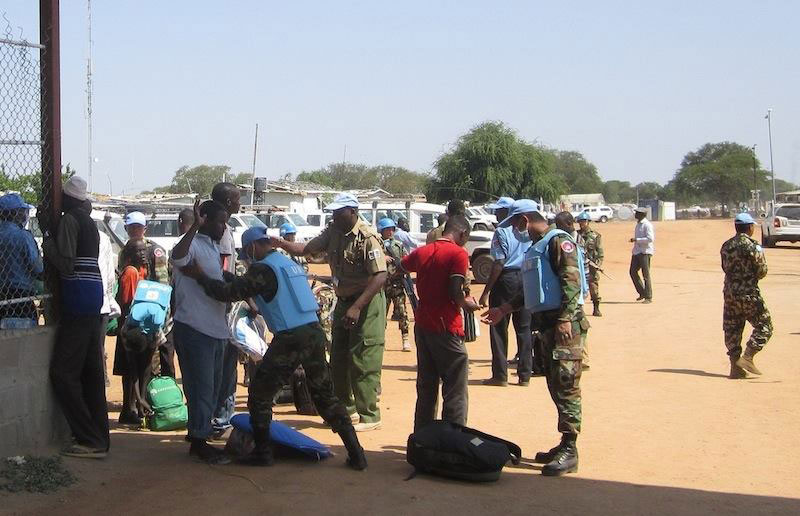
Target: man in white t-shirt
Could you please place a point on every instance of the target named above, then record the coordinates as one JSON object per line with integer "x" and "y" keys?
{"x": 201, "y": 326}
{"x": 228, "y": 195}
{"x": 643, "y": 249}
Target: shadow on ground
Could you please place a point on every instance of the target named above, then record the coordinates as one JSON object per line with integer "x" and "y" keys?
{"x": 303, "y": 486}
{"x": 693, "y": 372}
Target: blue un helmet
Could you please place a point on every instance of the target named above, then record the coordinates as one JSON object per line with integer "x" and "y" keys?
{"x": 386, "y": 223}
{"x": 287, "y": 228}
{"x": 583, "y": 216}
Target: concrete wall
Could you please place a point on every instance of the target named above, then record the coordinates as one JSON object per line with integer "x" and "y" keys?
{"x": 30, "y": 420}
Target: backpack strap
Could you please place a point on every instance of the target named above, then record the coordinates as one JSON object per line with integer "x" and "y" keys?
{"x": 516, "y": 451}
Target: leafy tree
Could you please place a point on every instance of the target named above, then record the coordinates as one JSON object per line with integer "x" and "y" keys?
{"x": 29, "y": 186}
{"x": 782, "y": 186}
{"x": 492, "y": 160}
{"x": 579, "y": 174}
{"x": 354, "y": 176}
{"x": 650, "y": 190}
{"x": 200, "y": 179}
{"x": 242, "y": 178}
{"x": 615, "y": 191}
{"x": 718, "y": 172}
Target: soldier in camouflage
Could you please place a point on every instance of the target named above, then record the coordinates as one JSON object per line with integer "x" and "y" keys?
{"x": 563, "y": 331}
{"x": 301, "y": 345}
{"x": 394, "y": 288}
{"x": 744, "y": 265}
{"x": 592, "y": 243}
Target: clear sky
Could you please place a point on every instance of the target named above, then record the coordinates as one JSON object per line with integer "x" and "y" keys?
{"x": 631, "y": 85}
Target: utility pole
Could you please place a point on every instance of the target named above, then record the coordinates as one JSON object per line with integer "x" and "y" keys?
{"x": 89, "y": 91}
{"x": 755, "y": 181}
{"x": 344, "y": 156}
{"x": 771, "y": 165}
{"x": 253, "y": 178}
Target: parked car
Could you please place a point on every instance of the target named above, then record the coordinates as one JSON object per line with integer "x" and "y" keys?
{"x": 112, "y": 224}
{"x": 481, "y": 219}
{"x": 597, "y": 213}
{"x": 274, "y": 220}
{"x": 162, "y": 228}
{"x": 241, "y": 222}
{"x": 781, "y": 226}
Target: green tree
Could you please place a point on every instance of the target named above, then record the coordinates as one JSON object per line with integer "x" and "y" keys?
{"x": 29, "y": 186}
{"x": 492, "y": 160}
{"x": 200, "y": 179}
{"x": 718, "y": 172}
{"x": 781, "y": 185}
{"x": 242, "y": 178}
{"x": 615, "y": 191}
{"x": 650, "y": 190}
{"x": 579, "y": 174}
{"x": 355, "y": 176}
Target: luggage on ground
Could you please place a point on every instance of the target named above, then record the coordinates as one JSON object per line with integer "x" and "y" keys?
{"x": 166, "y": 400}
{"x": 450, "y": 450}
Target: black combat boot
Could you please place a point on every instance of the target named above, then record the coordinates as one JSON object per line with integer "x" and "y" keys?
{"x": 355, "y": 453}
{"x": 565, "y": 460}
{"x": 596, "y": 312}
{"x": 544, "y": 457}
{"x": 262, "y": 452}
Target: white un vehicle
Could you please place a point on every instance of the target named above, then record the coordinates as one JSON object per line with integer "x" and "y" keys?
{"x": 781, "y": 226}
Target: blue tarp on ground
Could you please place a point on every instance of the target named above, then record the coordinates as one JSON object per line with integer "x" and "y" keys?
{"x": 287, "y": 436}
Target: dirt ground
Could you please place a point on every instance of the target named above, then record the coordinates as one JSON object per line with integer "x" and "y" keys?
{"x": 665, "y": 432}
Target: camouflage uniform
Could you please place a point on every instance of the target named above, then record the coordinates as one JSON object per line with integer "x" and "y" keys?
{"x": 744, "y": 265}
{"x": 304, "y": 346}
{"x": 562, "y": 361}
{"x": 395, "y": 291}
{"x": 326, "y": 298}
{"x": 592, "y": 244}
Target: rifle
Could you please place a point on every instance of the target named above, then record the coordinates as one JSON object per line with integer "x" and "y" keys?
{"x": 408, "y": 285}
{"x": 592, "y": 263}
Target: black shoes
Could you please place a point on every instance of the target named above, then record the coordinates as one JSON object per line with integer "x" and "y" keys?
{"x": 129, "y": 419}
{"x": 560, "y": 460}
{"x": 207, "y": 453}
{"x": 355, "y": 453}
{"x": 564, "y": 461}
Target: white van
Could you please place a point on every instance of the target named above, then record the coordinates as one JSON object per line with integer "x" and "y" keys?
{"x": 597, "y": 213}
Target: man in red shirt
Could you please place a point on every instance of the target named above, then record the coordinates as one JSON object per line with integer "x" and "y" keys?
{"x": 441, "y": 267}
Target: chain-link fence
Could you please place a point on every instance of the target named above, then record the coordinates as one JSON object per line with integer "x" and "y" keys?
{"x": 25, "y": 181}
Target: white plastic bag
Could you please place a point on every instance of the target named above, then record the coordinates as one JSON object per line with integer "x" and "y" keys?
{"x": 247, "y": 336}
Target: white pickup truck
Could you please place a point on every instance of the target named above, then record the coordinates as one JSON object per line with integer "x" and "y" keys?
{"x": 781, "y": 226}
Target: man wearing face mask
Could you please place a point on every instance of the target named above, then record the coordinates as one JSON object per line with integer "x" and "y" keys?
{"x": 505, "y": 280}
{"x": 554, "y": 288}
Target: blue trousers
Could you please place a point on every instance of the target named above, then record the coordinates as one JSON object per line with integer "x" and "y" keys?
{"x": 200, "y": 358}
{"x": 226, "y": 401}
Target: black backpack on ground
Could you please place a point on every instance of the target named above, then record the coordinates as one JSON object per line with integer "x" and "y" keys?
{"x": 455, "y": 451}
{"x": 302, "y": 398}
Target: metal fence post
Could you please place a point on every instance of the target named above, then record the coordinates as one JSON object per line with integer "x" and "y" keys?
{"x": 50, "y": 77}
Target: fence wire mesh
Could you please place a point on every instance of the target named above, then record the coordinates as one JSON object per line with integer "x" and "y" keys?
{"x": 22, "y": 162}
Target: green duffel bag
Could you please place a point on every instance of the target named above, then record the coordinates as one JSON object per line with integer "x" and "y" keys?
{"x": 166, "y": 400}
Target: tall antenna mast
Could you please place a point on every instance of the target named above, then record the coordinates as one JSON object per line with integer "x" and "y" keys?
{"x": 253, "y": 179}
{"x": 89, "y": 90}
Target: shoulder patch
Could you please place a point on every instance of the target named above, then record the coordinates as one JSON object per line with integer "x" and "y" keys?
{"x": 374, "y": 254}
{"x": 158, "y": 252}
{"x": 567, "y": 246}
{"x": 759, "y": 248}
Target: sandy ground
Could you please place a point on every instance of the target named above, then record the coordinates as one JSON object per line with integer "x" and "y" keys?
{"x": 665, "y": 432}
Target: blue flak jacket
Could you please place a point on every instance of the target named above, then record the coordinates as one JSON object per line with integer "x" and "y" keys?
{"x": 150, "y": 306}
{"x": 541, "y": 285}
{"x": 294, "y": 304}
